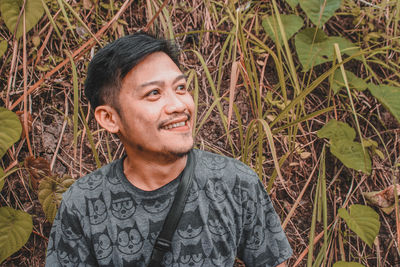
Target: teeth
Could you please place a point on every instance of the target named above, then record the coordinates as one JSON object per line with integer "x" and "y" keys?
{"x": 174, "y": 125}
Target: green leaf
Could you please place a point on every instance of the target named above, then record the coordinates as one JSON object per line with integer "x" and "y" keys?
{"x": 10, "y": 129}
{"x": 10, "y": 10}
{"x": 351, "y": 154}
{"x": 291, "y": 24}
{"x": 314, "y": 47}
{"x": 362, "y": 220}
{"x": 389, "y": 96}
{"x": 347, "y": 264}
{"x": 1, "y": 179}
{"x": 292, "y": 3}
{"x": 320, "y": 11}
{"x": 3, "y": 47}
{"x": 15, "y": 229}
{"x": 50, "y": 194}
{"x": 336, "y": 130}
{"x": 354, "y": 82}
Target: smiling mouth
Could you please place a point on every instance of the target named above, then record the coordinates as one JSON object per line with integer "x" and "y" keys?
{"x": 175, "y": 123}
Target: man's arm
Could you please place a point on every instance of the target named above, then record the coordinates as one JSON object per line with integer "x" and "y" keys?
{"x": 263, "y": 242}
{"x": 67, "y": 244}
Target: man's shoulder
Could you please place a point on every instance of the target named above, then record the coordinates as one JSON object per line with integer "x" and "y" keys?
{"x": 92, "y": 183}
{"x": 220, "y": 165}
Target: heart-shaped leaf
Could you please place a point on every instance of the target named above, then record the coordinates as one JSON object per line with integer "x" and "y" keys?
{"x": 362, "y": 220}
{"x": 50, "y": 194}
{"x": 314, "y": 47}
{"x": 389, "y": 96}
{"x": 15, "y": 229}
{"x": 351, "y": 154}
{"x": 1, "y": 179}
{"x": 320, "y": 11}
{"x": 354, "y": 82}
{"x": 291, "y": 25}
{"x": 3, "y": 47}
{"x": 10, "y": 129}
{"x": 10, "y": 10}
{"x": 292, "y": 3}
{"x": 347, "y": 264}
{"x": 336, "y": 130}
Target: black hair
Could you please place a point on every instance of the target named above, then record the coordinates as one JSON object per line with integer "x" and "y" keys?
{"x": 113, "y": 62}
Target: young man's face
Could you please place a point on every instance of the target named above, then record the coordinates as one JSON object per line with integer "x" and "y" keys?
{"x": 156, "y": 109}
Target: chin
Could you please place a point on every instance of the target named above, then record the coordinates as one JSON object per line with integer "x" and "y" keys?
{"x": 176, "y": 153}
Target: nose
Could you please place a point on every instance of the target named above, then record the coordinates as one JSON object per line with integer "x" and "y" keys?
{"x": 175, "y": 103}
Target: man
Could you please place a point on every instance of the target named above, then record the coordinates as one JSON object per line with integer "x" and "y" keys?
{"x": 111, "y": 217}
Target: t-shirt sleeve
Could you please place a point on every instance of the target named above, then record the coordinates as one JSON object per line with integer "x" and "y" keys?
{"x": 262, "y": 242}
{"x": 68, "y": 245}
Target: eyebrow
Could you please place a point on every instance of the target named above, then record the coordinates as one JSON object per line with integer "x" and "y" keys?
{"x": 179, "y": 77}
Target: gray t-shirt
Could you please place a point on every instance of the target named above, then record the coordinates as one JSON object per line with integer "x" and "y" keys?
{"x": 104, "y": 220}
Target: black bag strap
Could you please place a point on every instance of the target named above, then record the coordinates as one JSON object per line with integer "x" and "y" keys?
{"x": 163, "y": 241}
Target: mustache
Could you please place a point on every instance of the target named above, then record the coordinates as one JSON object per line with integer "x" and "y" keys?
{"x": 167, "y": 121}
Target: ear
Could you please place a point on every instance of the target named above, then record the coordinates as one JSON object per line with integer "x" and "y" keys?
{"x": 108, "y": 118}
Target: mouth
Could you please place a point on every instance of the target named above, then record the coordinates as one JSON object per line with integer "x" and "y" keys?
{"x": 177, "y": 123}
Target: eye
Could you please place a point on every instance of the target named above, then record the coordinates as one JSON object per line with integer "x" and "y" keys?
{"x": 181, "y": 88}
{"x": 153, "y": 93}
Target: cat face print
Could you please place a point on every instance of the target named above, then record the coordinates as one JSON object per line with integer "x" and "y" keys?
{"x": 215, "y": 189}
{"x": 157, "y": 205}
{"x": 102, "y": 245}
{"x": 129, "y": 240}
{"x": 66, "y": 253}
{"x": 70, "y": 229}
{"x": 123, "y": 206}
{"x": 190, "y": 224}
{"x": 96, "y": 209}
{"x": 192, "y": 255}
{"x": 92, "y": 182}
{"x": 216, "y": 221}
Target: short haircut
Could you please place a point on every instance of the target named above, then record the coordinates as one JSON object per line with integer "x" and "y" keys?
{"x": 113, "y": 62}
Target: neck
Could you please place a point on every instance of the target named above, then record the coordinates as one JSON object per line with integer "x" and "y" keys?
{"x": 151, "y": 173}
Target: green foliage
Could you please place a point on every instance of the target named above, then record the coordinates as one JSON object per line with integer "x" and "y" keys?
{"x": 347, "y": 264}
{"x": 389, "y": 96}
{"x": 354, "y": 82}
{"x": 50, "y": 194}
{"x": 10, "y": 129}
{"x": 3, "y": 47}
{"x": 291, "y": 23}
{"x": 10, "y": 10}
{"x": 15, "y": 229}
{"x": 350, "y": 153}
{"x": 292, "y": 3}
{"x": 314, "y": 47}
{"x": 362, "y": 220}
{"x": 320, "y": 11}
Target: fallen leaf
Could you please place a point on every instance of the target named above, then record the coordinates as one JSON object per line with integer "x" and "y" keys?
{"x": 383, "y": 199}
{"x": 38, "y": 168}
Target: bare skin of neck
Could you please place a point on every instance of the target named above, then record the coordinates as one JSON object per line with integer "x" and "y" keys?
{"x": 148, "y": 173}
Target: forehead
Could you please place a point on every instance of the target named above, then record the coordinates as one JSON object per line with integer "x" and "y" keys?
{"x": 157, "y": 66}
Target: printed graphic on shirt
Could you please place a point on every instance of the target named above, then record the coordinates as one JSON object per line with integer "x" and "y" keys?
{"x": 190, "y": 224}
{"x": 250, "y": 213}
{"x": 123, "y": 206}
{"x": 265, "y": 259}
{"x": 243, "y": 168}
{"x": 136, "y": 262}
{"x": 215, "y": 189}
{"x": 157, "y": 205}
{"x": 215, "y": 221}
{"x": 69, "y": 228}
{"x": 102, "y": 245}
{"x": 256, "y": 236}
{"x": 193, "y": 192}
{"x": 96, "y": 209}
{"x": 66, "y": 253}
{"x": 112, "y": 176}
{"x": 168, "y": 259}
{"x": 91, "y": 182}
{"x": 240, "y": 191}
{"x": 129, "y": 240}
{"x": 272, "y": 221}
{"x": 214, "y": 162}
{"x": 220, "y": 254}
{"x": 192, "y": 255}
{"x": 154, "y": 230}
